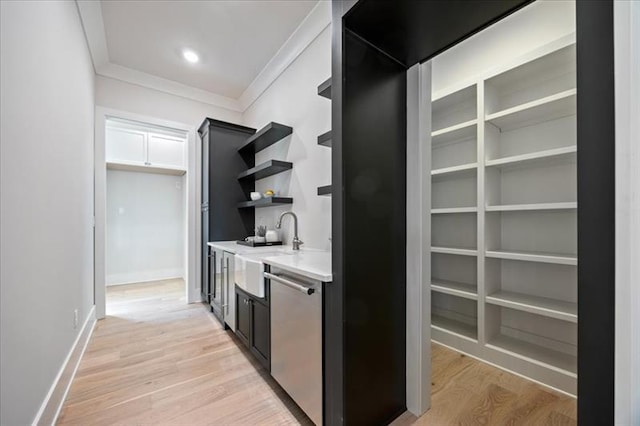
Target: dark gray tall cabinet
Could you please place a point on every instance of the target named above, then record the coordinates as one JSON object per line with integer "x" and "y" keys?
{"x": 221, "y": 194}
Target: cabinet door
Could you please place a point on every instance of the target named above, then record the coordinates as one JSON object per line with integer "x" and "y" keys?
{"x": 260, "y": 332}
{"x": 230, "y": 293}
{"x": 165, "y": 151}
{"x": 243, "y": 317}
{"x": 125, "y": 146}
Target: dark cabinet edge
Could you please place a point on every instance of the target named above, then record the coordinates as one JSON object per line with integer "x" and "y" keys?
{"x": 223, "y": 124}
{"x": 325, "y": 139}
{"x": 266, "y": 202}
{"x": 265, "y": 137}
{"x": 324, "y": 190}
{"x": 266, "y": 169}
{"x": 324, "y": 89}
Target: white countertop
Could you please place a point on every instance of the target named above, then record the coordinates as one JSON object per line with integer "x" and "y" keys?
{"x": 312, "y": 263}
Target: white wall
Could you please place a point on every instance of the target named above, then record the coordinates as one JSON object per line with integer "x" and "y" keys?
{"x": 491, "y": 47}
{"x": 46, "y": 170}
{"x": 145, "y": 227}
{"x": 293, "y": 100}
{"x": 116, "y": 94}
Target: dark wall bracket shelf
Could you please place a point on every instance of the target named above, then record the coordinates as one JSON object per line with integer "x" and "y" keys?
{"x": 267, "y": 169}
{"x": 325, "y": 139}
{"x": 266, "y": 202}
{"x": 265, "y": 137}
{"x": 324, "y": 190}
{"x": 324, "y": 89}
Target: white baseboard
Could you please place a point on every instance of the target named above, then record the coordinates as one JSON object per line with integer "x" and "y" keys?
{"x": 52, "y": 404}
{"x": 144, "y": 276}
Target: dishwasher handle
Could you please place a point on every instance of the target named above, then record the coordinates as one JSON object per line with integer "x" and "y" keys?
{"x": 289, "y": 283}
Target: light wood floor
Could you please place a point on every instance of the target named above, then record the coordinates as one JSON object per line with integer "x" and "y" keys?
{"x": 157, "y": 360}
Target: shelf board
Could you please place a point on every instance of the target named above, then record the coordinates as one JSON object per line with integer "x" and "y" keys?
{"x": 553, "y": 308}
{"x": 134, "y": 167}
{"x": 451, "y": 250}
{"x": 265, "y": 137}
{"x": 461, "y": 131}
{"x": 324, "y": 190}
{"x": 529, "y": 207}
{"x": 543, "y": 257}
{"x": 549, "y": 108}
{"x": 325, "y": 139}
{"x": 453, "y": 288}
{"x": 568, "y": 151}
{"x": 558, "y": 361}
{"x": 324, "y": 89}
{"x": 266, "y": 202}
{"x": 454, "y": 169}
{"x": 264, "y": 170}
{"x": 455, "y": 210}
{"x": 458, "y": 328}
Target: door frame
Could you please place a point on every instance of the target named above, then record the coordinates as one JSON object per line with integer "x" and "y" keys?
{"x": 191, "y": 225}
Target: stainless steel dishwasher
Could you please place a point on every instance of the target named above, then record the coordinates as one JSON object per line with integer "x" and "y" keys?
{"x": 296, "y": 339}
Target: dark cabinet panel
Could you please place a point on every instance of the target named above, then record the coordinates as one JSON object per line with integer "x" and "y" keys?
{"x": 260, "y": 332}
{"x": 221, "y": 192}
{"x": 253, "y": 325}
{"x": 243, "y": 317}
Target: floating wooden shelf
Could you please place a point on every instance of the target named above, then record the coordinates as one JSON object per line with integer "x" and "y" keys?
{"x": 266, "y": 202}
{"x": 265, "y": 137}
{"x": 553, "y": 308}
{"x": 324, "y": 190}
{"x": 453, "y": 288}
{"x": 264, "y": 170}
{"x": 538, "y": 111}
{"x": 325, "y": 139}
{"x": 324, "y": 89}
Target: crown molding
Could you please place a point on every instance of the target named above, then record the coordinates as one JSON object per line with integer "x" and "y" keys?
{"x": 309, "y": 29}
{"x": 171, "y": 87}
{"x": 93, "y": 24}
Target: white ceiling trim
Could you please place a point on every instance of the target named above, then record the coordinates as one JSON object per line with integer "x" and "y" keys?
{"x": 309, "y": 29}
{"x": 171, "y": 87}
{"x": 91, "y": 16}
{"x": 93, "y": 25}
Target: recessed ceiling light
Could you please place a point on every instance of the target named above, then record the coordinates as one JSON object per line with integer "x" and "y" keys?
{"x": 190, "y": 56}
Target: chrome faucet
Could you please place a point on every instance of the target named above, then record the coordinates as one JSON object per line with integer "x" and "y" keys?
{"x": 296, "y": 241}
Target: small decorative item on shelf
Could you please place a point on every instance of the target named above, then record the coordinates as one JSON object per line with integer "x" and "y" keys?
{"x": 269, "y": 193}
{"x": 261, "y": 232}
{"x": 272, "y": 236}
{"x": 255, "y": 196}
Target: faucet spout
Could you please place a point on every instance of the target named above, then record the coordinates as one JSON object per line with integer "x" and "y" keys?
{"x": 296, "y": 241}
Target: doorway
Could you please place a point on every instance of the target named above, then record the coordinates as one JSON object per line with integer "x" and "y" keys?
{"x": 145, "y": 193}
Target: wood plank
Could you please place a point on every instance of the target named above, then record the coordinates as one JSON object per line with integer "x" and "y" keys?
{"x": 144, "y": 366}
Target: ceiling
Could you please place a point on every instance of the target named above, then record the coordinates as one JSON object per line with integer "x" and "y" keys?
{"x": 236, "y": 41}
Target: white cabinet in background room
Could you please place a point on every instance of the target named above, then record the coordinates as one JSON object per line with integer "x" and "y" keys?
{"x": 137, "y": 149}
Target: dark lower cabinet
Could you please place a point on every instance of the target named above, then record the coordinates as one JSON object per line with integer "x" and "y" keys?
{"x": 243, "y": 317}
{"x": 253, "y": 325}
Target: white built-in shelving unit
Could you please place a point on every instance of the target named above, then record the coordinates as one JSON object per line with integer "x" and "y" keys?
{"x": 504, "y": 216}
